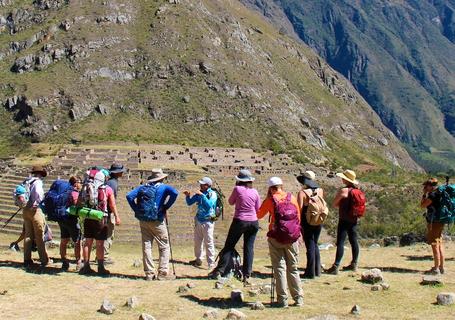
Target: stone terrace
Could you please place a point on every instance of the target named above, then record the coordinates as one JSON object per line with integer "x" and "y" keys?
{"x": 186, "y": 166}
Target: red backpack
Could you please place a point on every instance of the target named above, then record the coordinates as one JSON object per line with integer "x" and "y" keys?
{"x": 357, "y": 203}
{"x": 286, "y": 228}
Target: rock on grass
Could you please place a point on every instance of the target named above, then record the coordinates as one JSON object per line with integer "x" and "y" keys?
{"x": 107, "y": 307}
{"x": 235, "y": 314}
{"x": 145, "y": 316}
{"x": 445, "y": 298}
{"x": 372, "y": 276}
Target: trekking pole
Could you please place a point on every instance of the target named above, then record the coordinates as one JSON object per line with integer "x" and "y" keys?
{"x": 272, "y": 288}
{"x": 11, "y": 218}
{"x": 170, "y": 245}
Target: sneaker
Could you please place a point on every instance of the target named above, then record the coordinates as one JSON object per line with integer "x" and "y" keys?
{"x": 298, "y": 302}
{"x": 86, "y": 270}
{"x": 102, "y": 271}
{"x": 351, "y": 267}
{"x": 163, "y": 276}
{"x": 65, "y": 265}
{"x": 332, "y": 270}
{"x": 433, "y": 271}
{"x": 196, "y": 262}
{"x": 150, "y": 277}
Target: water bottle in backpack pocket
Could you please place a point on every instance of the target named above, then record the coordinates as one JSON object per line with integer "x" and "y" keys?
{"x": 146, "y": 201}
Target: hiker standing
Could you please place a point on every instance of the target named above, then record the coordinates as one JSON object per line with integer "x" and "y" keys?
{"x": 348, "y": 220}
{"x": 310, "y": 232}
{"x": 284, "y": 231}
{"x": 150, "y": 203}
{"x": 97, "y": 229}
{"x": 204, "y": 224}
{"x": 34, "y": 222}
{"x": 70, "y": 228}
{"x": 115, "y": 172}
{"x": 431, "y": 201}
{"x": 247, "y": 201}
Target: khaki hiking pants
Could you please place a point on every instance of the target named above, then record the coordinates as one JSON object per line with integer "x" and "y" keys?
{"x": 110, "y": 235}
{"x": 34, "y": 224}
{"x": 285, "y": 261}
{"x": 150, "y": 231}
{"x": 203, "y": 239}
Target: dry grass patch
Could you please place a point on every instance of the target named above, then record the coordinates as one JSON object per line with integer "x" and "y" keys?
{"x": 61, "y": 295}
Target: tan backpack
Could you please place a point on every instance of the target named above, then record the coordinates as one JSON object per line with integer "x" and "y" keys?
{"x": 317, "y": 210}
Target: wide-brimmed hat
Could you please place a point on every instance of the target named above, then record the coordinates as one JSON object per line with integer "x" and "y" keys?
{"x": 349, "y": 176}
{"x": 116, "y": 168}
{"x": 431, "y": 182}
{"x": 206, "y": 180}
{"x": 39, "y": 169}
{"x": 307, "y": 178}
{"x": 275, "y": 181}
{"x": 244, "y": 176}
{"x": 157, "y": 175}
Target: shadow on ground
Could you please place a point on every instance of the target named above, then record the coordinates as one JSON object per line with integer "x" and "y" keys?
{"x": 423, "y": 258}
{"x": 394, "y": 269}
{"x": 213, "y": 302}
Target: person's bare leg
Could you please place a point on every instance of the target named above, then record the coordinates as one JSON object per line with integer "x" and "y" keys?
{"x": 441, "y": 256}
{"x": 436, "y": 257}
{"x": 63, "y": 245}
{"x": 77, "y": 250}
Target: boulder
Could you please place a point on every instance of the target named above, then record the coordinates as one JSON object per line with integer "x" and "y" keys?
{"x": 237, "y": 296}
{"x": 235, "y": 314}
{"x": 107, "y": 307}
{"x": 211, "y": 314}
{"x": 132, "y": 302}
{"x": 257, "y": 306}
{"x": 445, "y": 298}
{"x": 372, "y": 276}
{"x": 355, "y": 310}
{"x": 431, "y": 281}
{"x": 145, "y": 316}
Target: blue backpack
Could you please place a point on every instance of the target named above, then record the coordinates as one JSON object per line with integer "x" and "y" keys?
{"x": 56, "y": 201}
{"x": 148, "y": 208}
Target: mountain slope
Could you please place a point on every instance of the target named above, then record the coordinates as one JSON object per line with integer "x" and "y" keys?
{"x": 397, "y": 54}
{"x": 191, "y": 72}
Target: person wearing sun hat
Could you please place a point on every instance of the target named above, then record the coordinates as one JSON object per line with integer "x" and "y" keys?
{"x": 115, "y": 172}
{"x": 246, "y": 201}
{"x": 34, "y": 222}
{"x": 204, "y": 224}
{"x": 310, "y": 233}
{"x": 347, "y": 225}
{"x": 153, "y": 226}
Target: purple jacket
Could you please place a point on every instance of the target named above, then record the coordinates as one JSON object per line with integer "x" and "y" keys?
{"x": 246, "y": 201}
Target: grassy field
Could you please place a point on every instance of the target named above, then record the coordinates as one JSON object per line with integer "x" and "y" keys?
{"x": 59, "y": 295}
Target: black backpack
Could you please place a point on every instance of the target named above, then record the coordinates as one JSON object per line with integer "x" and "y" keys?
{"x": 234, "y": 264}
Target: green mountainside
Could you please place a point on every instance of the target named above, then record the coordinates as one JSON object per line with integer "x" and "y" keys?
{"x": 398, "y": 54}
{"x": 178, "y": 71}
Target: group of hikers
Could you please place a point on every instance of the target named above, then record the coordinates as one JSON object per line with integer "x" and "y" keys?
{"x": 290, "y": 217}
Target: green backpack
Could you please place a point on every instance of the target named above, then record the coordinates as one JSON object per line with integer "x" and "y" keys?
{"x": 446, "y": 209}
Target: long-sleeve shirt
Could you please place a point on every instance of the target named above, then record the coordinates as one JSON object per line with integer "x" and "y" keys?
{"x": 164, "y": 198}
{"x": 269, "y": 207}
{"x": 36, "y": 193}
{"x": 206, "y": 205}
{"x": 246, "y": 201}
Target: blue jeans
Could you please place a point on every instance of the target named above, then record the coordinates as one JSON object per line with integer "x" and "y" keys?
{"x": 248, "y": 229}
{"x": 346, "y": 228}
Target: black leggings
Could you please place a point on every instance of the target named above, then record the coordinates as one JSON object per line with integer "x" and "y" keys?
{"x": 248, "y": 229}
{"x": 346, "y": 228}
{"x": 313, "y": 259}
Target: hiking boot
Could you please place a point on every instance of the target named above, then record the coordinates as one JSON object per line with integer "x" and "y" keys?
{"x": 29, "y": 264}
{"x": 85, "y": 270}
{"x": 214, "y": 274}
{"x": 307, "y": 276}
{"x": 332, "y": 270}
{"x": 433, "y": 271}
{"x": 196, "y": 262}
{"x": 351, "y": 267}
{"x": 441, "y": 270}
{"x": 14, "y": 247}
{"x": 299, "y": 302}
{"x": 163, "y": 276}
{"x": 65, "y": 265}
{"x": 150, "y": 277}
{"x": 102, "y": 271}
